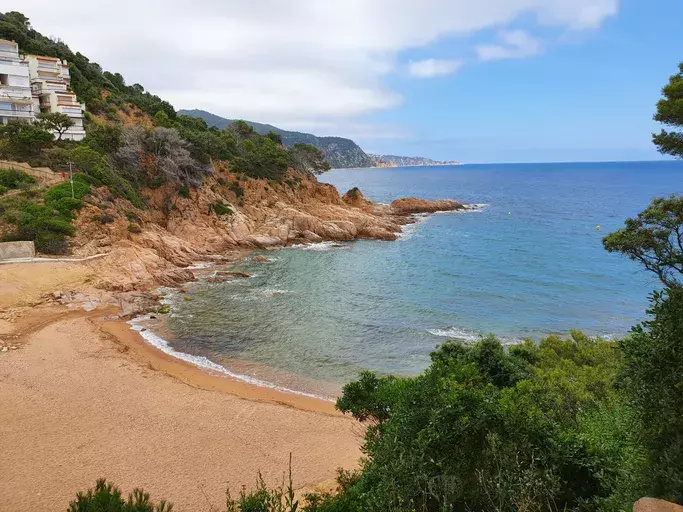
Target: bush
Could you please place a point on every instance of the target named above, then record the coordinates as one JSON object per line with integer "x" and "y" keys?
{"x": 87, "y": 179}
{"x": 652, "y": 378}
{"x": 488, "y": 429}
{"x": 221, "y": 209}
{"x": 107, "y": 498}
{"x": 132, "y": 217}
{"x": 236, "y": 188}
{"x": 63, "y": 190}
{"x": 134, "y": 228}
{"x": 51, "y": 243}
{"x": 66, "y": 206}
{"x": 184, "y": 192}
{"x": 11, "y": 178}
{"x": 105, "y": 218}
{"x": 3, "y": 190}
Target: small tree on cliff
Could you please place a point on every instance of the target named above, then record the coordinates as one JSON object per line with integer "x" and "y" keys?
{"x": 670, "y": 112}
{"x": 55, "y": 122}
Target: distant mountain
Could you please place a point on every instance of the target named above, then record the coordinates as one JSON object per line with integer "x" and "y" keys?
{"x": 407, "y": 161}
{"x": 339, "y": 152}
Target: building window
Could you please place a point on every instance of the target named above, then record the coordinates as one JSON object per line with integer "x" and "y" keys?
{"x": 4, "y": 79}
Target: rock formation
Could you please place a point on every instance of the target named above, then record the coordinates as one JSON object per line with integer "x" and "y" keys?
{"x": 176, "y": 231}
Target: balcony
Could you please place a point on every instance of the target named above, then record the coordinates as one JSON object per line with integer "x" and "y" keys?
{"x": 21, "y": 114}
{"x": 15, "y": 92}
{"x": 70, "y": 110}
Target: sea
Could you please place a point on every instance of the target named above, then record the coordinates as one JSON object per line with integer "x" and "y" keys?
{"x": 527, "y": 263}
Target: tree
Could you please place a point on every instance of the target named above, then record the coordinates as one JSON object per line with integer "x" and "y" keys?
{"x": 23, "y": 141}
{"x": 652, "y": 379}
{"x": 309, "y": 159}
{"x": 55, "y": 122}
{"x": 670, "y": 112}
{"x": 654, "y": 239}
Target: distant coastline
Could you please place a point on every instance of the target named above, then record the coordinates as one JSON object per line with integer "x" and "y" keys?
{"x": 383, "y": 161}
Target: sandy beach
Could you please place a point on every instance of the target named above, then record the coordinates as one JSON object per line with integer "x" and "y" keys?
{"x": 84, "y": 397}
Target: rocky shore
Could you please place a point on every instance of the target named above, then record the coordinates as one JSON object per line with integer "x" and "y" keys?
{"x": 175, "y": 231}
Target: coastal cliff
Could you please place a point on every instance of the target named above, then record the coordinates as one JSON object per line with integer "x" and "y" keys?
{"x": 156, "y": 245}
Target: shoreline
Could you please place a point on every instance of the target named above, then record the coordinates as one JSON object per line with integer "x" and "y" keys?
{"x": 244, "y": 385}
{"x": 203, "y": 378}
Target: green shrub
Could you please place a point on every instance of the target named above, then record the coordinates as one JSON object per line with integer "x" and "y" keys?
{"x": 184, "y": 192}
{"x": 64, "y": 190}
{"x": 488, "y": 429}
{"x": 3, "y": 190}
{"x": 51, "y": 243}
{"x": 134, "y": 228}
{"x": 236, "y": 188}
{"x": 221, "y": 209}
{"x": 107, "y": 498}
{"x": 11, "y": 178}
{"x": 87, "y": 179}
{"x": 66, "y": 206}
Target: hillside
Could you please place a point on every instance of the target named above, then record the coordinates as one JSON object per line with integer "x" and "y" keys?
{"x": 341, "y": 153}
{"x": 408, "y": 161}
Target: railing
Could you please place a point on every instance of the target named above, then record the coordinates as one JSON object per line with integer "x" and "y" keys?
{"x": 16, "y": 113}
{"x": 9, "y": 54}
{"x": 6, "y": 90}
{"x": 70, "y": 110}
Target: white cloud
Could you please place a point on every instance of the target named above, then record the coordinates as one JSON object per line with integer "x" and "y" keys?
{"x": 434, "y": 67}
{"x": 293, "y": 61}
{"x": 516, "y": 44}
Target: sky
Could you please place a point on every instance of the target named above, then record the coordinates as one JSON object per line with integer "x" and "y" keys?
{"x": 474, "y": 81}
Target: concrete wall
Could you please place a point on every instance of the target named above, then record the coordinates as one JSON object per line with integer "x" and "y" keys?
{"x": 9, "y": 250}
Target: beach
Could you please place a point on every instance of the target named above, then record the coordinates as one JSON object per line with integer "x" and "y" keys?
{"x": 85, "y": 397}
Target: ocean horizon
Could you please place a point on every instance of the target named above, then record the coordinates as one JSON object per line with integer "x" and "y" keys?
{"x": 527, "y": 263}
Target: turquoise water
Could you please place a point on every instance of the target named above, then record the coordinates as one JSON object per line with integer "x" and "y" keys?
{"x": 529, "y": 264}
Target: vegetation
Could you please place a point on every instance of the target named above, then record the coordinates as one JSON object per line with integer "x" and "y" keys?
{"x": 670, "y": 112}
{"x": 44, "y": 219}
{"x": 55, "y": 122}
{"x": 654, "y": 239}
{"x": 221, "y": 209}
{"x": 107, "y": 498}
{"x": 13, "y": 179}
{"x": 339, "y": 152}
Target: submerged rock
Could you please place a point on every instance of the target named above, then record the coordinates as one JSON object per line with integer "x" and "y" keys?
{"x": 228, "y": 273}
{"x": 260, "y": 259}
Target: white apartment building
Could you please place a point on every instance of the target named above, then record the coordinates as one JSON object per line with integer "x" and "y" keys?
{"x": 16, "y": 100}
{"x": 50, "y": 82}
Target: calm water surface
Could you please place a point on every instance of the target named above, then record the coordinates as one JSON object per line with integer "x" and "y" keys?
{"x": 528, "y": 264}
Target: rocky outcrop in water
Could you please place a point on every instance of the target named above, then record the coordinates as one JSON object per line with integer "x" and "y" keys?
{"x": 412, "y": 205}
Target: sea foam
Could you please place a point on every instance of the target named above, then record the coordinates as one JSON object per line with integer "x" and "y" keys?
{"x": 207, "y": 364}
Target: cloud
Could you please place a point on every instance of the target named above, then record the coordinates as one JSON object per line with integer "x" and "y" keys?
{"x": 294, "y": 61}
{"x": 516, "y": 44}
{"x": 430, "y": 68}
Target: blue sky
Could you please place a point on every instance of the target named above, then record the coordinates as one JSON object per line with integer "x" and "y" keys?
{"x": 588, "y": 96}
{"x": 469, "y": 80}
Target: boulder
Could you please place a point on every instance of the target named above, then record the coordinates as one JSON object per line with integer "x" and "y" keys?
{"x": 309, "y": 236}
{"x": 260, "y": 259}
{"x": 263, "y": 241}
{"x": 655, "y": 505}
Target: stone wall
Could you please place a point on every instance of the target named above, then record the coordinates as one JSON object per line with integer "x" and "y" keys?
{"x": 45, "y": 176}
{"x": 10, "y": 250}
